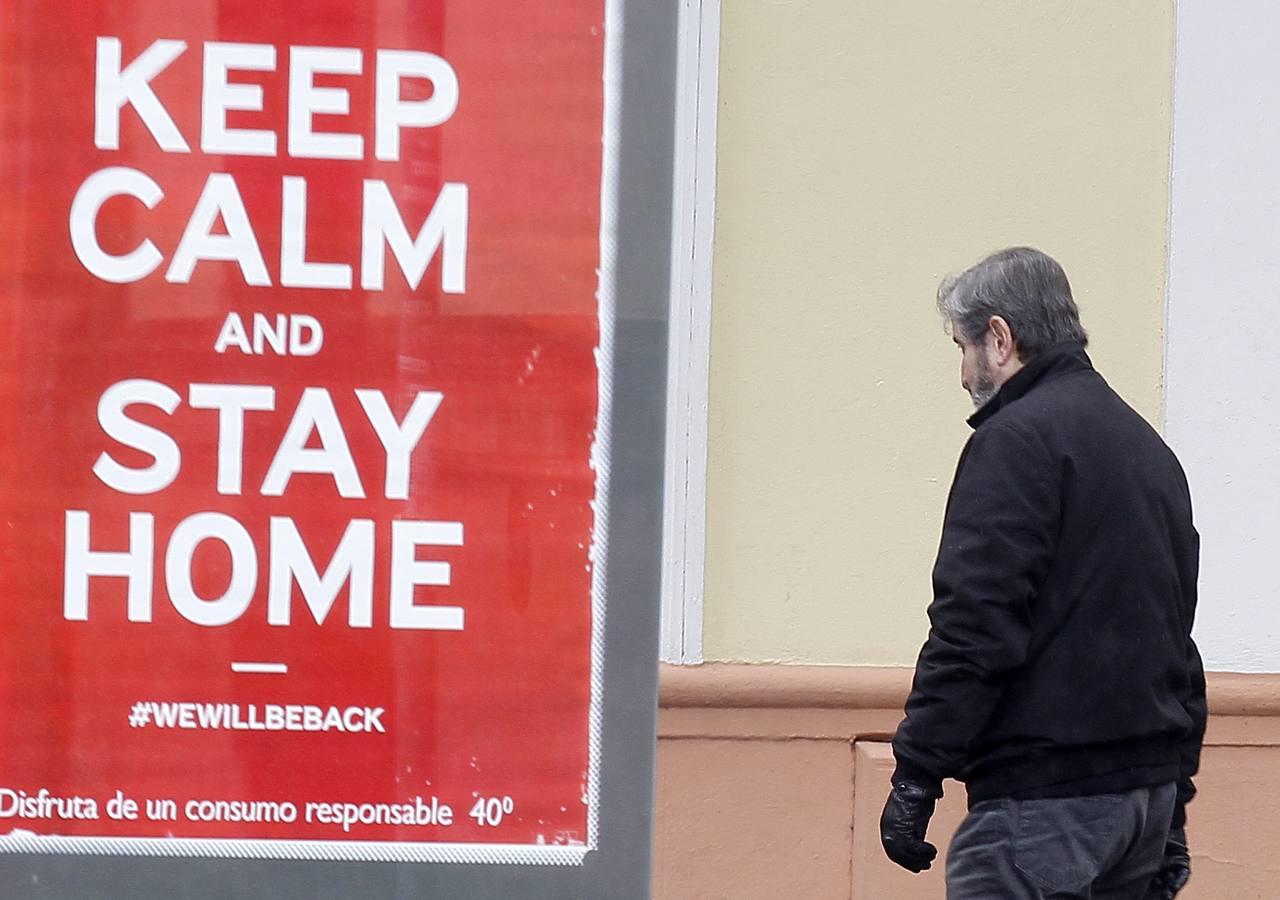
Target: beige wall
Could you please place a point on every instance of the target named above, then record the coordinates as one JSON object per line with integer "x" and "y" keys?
{"x": 866, "y": 148}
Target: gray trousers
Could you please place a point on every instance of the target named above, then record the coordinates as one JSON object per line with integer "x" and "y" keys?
{"x": 1105, "y": 847}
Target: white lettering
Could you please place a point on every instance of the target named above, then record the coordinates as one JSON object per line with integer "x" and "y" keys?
{"x": 446, "y": 224}
{"x": 220, "y": 197}
{"x": 134, "y": 564}
{"x": 351, "y": 562}
{"x": 231, "y": 401}
{"x": 155, "y": 443}
{"x": 264, "y": 332}
{"x": 300, "y": 343}
{"x": 190, "y": 533}
{"x": 115, "y": 87}
{"x": 221, "y": 96}
{"x": 295, "y": 270}
{"x": 306, "y": 99}
{"x": 97, "y": 189}
{"x": 233, "y": 333}
{"x": 407, "y": 572}
{"x": 393, "y": 112}
{"x": 399, "y": 438}
{"x": 315, "y": 412}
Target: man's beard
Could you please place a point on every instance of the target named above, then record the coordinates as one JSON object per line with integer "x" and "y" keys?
{"x": 984, "y": 386}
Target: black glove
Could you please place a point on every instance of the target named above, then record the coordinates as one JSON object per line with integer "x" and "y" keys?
{"x": 1175, "y": 869}
{"x": 903, "y": 824}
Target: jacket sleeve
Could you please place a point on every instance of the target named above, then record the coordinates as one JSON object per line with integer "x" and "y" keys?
{"x": 1193, "y": 700}
{"x": 1197, "y": 709}
{"x": 998, "y": 540}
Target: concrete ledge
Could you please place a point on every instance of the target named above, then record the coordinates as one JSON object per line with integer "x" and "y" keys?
{"x": 743, "y": 686}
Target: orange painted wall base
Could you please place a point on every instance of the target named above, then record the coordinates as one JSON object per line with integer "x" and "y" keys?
{"x": 771, "y": 780}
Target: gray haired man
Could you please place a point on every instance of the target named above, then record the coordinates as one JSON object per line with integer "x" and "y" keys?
{"x": 1059, "y": 680}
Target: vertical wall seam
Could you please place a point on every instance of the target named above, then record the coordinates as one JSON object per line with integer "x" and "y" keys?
{"x": 1166, "y": 321}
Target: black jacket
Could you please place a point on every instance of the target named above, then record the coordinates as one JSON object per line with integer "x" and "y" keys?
{"x": 1060, "y": 660}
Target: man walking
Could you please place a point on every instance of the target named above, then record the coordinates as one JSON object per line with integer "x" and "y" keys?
{"x": 1059, "y": 680}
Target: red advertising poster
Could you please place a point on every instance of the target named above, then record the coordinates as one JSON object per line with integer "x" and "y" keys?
{"x": 304, "y": 315}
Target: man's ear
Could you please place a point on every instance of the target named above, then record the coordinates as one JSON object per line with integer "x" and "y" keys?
{"x": 1002, "y": 340}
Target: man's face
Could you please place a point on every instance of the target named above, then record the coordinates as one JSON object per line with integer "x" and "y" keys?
{"x": 976, "y": 374}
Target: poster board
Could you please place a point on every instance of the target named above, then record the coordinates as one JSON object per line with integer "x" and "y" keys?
{"x": 308, "y": 365}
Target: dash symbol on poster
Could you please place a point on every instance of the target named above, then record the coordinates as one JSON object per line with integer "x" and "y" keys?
{"x": 260, "y": 668}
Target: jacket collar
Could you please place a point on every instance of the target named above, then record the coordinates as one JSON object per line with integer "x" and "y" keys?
{"x": 1058, "y": 360}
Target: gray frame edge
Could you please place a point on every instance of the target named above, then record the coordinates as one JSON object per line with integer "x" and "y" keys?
{"x": 619, "y": 869}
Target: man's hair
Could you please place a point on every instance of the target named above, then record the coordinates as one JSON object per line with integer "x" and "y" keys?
{"x": 1025, "y": 287}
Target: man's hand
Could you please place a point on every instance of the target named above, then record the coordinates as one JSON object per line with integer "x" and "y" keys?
{"x": 903, "y": 824}
{"x": 1175, "y": 870}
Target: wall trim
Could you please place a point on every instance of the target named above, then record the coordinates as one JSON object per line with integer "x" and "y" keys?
{"x": 742, "y": 686}
{"x": 689, "y": 347}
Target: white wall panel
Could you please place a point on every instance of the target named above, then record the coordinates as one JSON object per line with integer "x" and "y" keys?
{"x": 1223, "y": 363}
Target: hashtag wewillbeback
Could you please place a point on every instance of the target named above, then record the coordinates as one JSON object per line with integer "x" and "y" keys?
{"x": 252, "y": 717}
